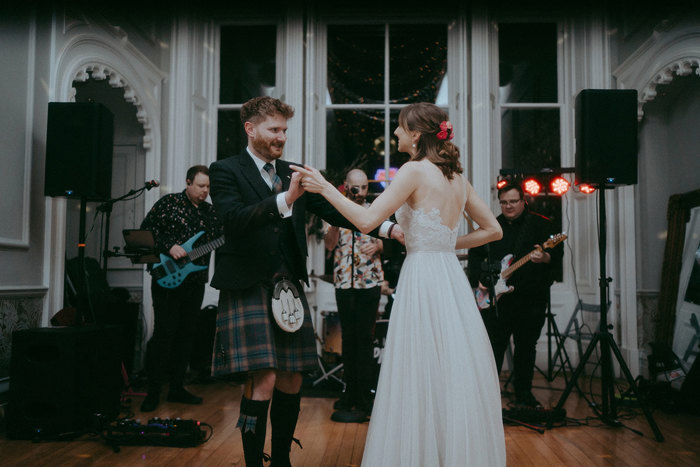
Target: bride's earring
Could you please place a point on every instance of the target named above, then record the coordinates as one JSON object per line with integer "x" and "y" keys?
{"x": 413, "y": 145}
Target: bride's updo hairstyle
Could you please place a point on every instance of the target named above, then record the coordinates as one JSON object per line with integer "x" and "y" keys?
{"x": 435, "y": 134}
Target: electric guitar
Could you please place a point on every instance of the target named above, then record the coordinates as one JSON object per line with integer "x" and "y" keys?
{"x": 170, "y": 273}
{"x": 507, "y": 269}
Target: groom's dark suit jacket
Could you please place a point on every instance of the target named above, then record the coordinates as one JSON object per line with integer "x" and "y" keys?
{"x": 258, "y": 239}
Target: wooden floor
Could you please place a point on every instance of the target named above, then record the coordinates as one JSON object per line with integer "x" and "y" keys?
{"x": 334, "y": 444}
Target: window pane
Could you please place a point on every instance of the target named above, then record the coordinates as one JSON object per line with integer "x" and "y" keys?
{"x": 231, "y": 138}
{"x": 355, "y": 139}
{"x": 530, "y": 139}
{"x": 247, "y": 71}
{"x": 417, "y": 62}
{"x": 396, "y": 159}
{"x": 527, "y": 55}
{"x": 356, "y": 64}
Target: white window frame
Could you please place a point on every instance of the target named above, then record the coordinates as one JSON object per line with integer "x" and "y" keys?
{"x": 563, "y": 295}
{"x": 289, "y": 73}
{"x": 316, "y": 85}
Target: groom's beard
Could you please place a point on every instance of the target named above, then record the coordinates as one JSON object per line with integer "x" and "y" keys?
{"x": 269, "y": 149}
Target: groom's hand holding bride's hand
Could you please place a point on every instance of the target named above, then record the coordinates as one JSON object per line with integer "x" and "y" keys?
{"x": 295, "y": 189}
{"x": 312, "y": 180}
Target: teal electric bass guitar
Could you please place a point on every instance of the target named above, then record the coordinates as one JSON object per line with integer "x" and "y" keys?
{"x": 170, "y": 273}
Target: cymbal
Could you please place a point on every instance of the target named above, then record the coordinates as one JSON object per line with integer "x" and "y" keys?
{"x": 324, "y": 277}
{"x": 463, "y": 256}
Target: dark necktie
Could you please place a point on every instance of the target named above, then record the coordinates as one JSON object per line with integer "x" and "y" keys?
{"x": 276, "y": 180}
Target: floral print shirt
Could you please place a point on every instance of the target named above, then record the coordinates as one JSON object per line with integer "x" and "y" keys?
{"x": 353, "y": 269}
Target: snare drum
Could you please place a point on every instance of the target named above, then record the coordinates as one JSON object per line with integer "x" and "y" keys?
{"x": 332, "y": 335}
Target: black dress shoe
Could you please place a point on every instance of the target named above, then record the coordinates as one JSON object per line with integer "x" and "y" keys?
{"x": 527, "y": 399}
{"x": 343, "y": 403}
{"x": 349, "y": 416}
{"x": 183, "y": 396}
{"x": 150, "y": 403}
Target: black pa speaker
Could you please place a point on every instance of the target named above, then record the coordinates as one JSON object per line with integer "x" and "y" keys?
{"x": 79, "y": 140}
{"x": 60, "y": 378}
{"x": 606, "y": 137}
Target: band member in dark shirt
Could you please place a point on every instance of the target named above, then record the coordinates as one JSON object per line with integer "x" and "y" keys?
{"x": 174, "y": 219}
{"x": 522, "y": 312}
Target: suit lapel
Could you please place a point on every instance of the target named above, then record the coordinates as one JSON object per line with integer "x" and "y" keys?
{"x": 253, "y": 175}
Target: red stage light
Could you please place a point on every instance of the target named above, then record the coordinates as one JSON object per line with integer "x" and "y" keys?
{"x": 559, "y": 185}
{"x": 532, "y": 186}
{"x": 501, "y": 183}
{"x": 586, "y": 188}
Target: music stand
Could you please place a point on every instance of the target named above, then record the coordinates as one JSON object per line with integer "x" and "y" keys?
{"x": 140, "y": 246}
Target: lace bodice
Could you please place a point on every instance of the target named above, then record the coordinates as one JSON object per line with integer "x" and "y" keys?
{"x": 424, "y": 230}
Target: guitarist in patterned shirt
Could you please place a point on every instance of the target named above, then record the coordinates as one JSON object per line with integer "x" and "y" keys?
{"x": 174, "y": 219}
{"x": 522, "y": 311}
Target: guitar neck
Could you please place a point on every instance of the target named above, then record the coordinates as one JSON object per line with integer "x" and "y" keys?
{"x": 553, "y": 241}
{"x": 206, "y": 248}
{"x": 514, "y": 267}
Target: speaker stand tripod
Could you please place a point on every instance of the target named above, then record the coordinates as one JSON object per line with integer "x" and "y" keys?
{"x": 608, "y": 412}
{"x": 561, "y": 354}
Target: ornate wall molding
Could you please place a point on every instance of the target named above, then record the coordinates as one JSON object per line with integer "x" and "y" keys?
{"x": 682, "y": 67}
{"x": 16, "y": 313}
{"x": 123, "y": 67}
{"x": 99, "y": 71}
{"x": 665, "y": 55}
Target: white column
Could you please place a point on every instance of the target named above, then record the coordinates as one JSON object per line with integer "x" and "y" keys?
{"x": 481, "y": 153}
{"x": 291, "y": 71}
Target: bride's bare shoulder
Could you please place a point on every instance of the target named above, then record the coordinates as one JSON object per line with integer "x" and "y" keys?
{"x": 411, "y": 168}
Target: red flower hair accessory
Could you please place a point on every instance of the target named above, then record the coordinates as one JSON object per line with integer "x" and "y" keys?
{"x": 445, "y": 131}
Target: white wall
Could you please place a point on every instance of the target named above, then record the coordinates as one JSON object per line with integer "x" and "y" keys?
{"x": 669, "y": 163}
{"x": 22, "y": 134}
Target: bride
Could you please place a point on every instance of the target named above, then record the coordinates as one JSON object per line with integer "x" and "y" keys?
{"x": 438, "y": 398}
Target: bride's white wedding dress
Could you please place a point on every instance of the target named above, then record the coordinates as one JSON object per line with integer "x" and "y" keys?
{"x": 438, "y": 399}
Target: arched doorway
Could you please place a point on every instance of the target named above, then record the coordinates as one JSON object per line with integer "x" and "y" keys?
{"x": 128, "y": 173}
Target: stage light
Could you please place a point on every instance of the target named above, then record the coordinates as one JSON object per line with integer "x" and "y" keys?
{"x": 532, "y": 186}
{"x": 559, "y": 185}
{"x": 501, "y": 183}
{"x": 380, "y": 175}
{"x": 586, "y": 188}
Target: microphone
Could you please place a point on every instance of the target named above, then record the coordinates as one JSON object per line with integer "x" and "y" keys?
{"x": 151, "y": 184}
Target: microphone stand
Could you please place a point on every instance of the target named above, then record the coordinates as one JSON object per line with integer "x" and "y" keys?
{"x": 106, "y": 208}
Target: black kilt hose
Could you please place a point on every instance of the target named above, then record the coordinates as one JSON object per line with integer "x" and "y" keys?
{"x": 248, "y": 338}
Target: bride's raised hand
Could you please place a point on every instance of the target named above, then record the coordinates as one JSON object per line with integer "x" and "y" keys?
{"x": 312, "y": 180}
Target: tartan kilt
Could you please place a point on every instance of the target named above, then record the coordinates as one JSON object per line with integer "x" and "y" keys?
{"x": 248, "y": 338}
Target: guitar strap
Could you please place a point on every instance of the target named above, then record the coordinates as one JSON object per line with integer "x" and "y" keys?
{"x": 519, "y": 247}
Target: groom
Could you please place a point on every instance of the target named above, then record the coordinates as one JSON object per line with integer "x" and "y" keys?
{"x": 262, "y": 207}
